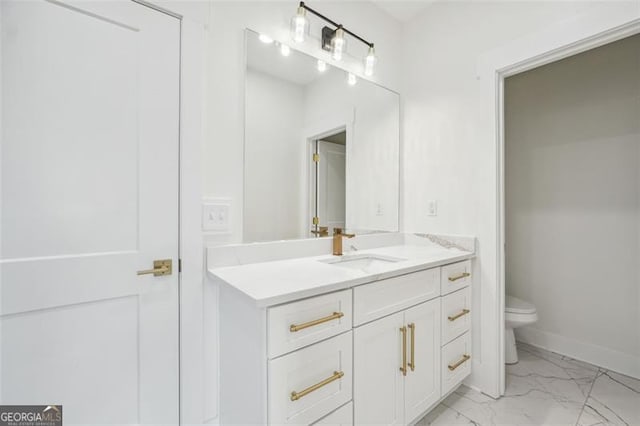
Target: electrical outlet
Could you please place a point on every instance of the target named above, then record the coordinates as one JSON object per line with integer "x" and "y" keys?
{"x": 379, "y": 211}
{"x": 432, "y": 208}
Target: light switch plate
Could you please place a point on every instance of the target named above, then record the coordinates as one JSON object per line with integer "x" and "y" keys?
{"x": 216, "y": 215}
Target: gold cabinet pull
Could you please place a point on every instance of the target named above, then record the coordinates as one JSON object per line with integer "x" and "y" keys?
{"x": 403, "y": 330}
{"x": 412, "y": 364}
{"x": 459, "y": 277}
{"x": 297, "y": 395}
{"x": 297, "y": 327}
{"x": 464, "y": 359}
{"x": 461, "y": 314}
{"x": 160, "y": 268}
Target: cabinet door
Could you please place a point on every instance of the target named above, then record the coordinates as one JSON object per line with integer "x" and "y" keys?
{"x": 422, "y": 384}
{"x": 378, "y": 382}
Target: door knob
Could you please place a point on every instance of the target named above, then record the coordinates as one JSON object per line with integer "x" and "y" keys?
{"x": 160, "y": 268}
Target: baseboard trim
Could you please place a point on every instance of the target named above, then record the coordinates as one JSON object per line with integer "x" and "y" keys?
{"x": 600, "y": 356}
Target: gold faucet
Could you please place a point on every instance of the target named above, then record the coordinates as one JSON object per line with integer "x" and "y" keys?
{"x": 337, "y": 240}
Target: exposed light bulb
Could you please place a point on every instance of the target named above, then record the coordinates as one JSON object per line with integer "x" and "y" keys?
{"x": 369, "y": 62}
{"x": 322, "y": 65}
{"x": 299, "y": 25}
{"x": 285, "y": 50}
{"x": 351, "y": 79}
{"x": 265, "y": 39}
{"x": 338, "y": 44}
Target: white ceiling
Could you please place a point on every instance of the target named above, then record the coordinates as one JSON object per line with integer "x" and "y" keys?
{"x": 403, "y": 10}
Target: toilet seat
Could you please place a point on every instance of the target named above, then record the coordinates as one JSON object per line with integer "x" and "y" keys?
{"x": 514, "y": 305}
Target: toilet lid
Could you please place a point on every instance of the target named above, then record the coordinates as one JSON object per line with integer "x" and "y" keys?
{"x": 518, "y": 306}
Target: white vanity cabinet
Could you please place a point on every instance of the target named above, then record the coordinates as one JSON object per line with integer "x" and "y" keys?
{"x": 398, "y": 359}
{"x": 379, "y": 352}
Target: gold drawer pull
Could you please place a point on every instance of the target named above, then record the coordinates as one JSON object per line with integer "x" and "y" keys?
{"x": 464, "y": 359}
{"x": 297, "y": 395}
{"x": 403, "y": 330}
{"x": 459, "y": 277}
{"x": 297, "y": 327}
{"x": 461, "y": 314}
{"x": 412, "y": 364}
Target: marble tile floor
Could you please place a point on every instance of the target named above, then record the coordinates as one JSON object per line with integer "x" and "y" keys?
{"x": 545, "y": 388}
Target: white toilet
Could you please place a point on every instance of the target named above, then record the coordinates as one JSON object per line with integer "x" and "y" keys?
{"x": 517, "y": 314}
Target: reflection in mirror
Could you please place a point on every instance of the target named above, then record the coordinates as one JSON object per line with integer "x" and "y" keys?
{"x": 320, "y": 153}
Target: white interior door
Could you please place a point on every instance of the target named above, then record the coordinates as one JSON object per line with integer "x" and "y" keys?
{"x": 331, "y": 185}
{"x": 89, "y": 196}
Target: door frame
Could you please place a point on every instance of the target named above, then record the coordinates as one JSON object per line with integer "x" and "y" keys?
{"x": 577, "y": 38}
{"x": 194, "y": 18}
{"x": 312, "y": 173}
{"x": 341, "y": 121}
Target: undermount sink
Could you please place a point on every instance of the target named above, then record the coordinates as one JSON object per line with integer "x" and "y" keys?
{"x": 361, "y": 261}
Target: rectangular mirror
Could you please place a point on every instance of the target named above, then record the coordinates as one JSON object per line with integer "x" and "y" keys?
{"x": 320, "y": 152}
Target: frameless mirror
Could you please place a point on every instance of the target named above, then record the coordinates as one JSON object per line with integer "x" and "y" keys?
{"x": 320, "y": 151}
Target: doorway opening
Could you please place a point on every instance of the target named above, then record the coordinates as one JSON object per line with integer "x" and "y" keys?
{"x": 504, "y": 246}
{"x": 328, "y": 183}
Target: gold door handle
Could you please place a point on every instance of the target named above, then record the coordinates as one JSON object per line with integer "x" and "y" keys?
{"x": 322, "y": 232}
{"x": 403, "y": 330}
{"x": 297, "y": 327}
{"x": 459, "y": 277}
{"x": 461, "y": 314}
{"x": 160, "y": 268}
{"x": 297, "y": 395}
{"x": 464, "y": 359}
{"x": 412, "y": 364}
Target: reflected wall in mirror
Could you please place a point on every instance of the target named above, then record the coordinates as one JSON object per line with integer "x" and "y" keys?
{"x": 320, "y": 153}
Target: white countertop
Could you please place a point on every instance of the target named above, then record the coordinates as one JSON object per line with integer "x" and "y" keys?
{"x": 282, "y": 281}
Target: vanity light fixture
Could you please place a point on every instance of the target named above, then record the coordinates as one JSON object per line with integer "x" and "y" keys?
{"x": 352, "y": 79}
{"x": 285, "y": 50}
{"x": 338, "y": 44}
{"x": 333, "y": 40}
{"x": 370, "y": 62}
{"x": 300, "y": 25}
{"x": 265, "y": 39}
{"x": 322, "y": 65}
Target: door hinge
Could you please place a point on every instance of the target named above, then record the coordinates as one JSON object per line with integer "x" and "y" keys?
{"x": 179, "y": 265}
{"x": 316, "y": 158}
{"x": 316, "y": 220}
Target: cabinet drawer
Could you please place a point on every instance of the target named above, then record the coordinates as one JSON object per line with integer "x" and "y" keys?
{"x": 343, "y": 416}
{"x": 455, "y": 276}
{"x": 456, "y": 314}
{"x": 309, "y": 383}
{"x": 456, "y": 362}
{"x": 375, "y": 300}
{"x": 302, "y": 323}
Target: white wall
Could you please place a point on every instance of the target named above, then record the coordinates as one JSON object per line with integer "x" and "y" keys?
{"x": 572, "y": 149}
{"x": 273, "y": 188}
{"x": 450, "y": 134}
